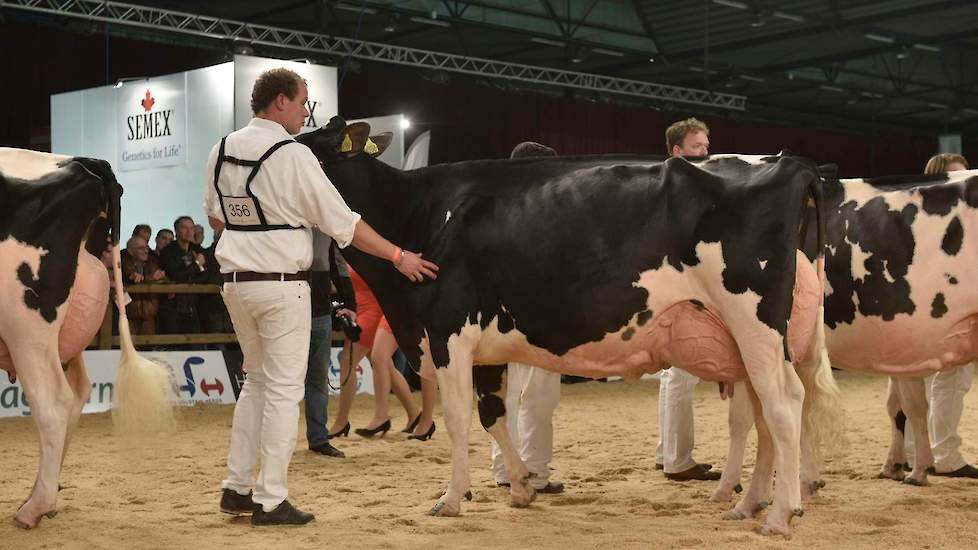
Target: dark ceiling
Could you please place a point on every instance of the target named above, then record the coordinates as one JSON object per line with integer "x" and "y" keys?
{"x": 859, "y": 65}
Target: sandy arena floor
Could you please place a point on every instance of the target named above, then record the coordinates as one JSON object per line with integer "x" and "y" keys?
{"x": 164, "y": 494}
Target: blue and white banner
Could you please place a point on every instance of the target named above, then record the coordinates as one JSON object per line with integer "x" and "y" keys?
{"x": 200, "y": 376}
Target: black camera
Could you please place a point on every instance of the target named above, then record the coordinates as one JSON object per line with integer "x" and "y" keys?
{"x": 350, "y": 327}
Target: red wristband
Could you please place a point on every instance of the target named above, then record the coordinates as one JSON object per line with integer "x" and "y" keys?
{"x": 397, "y": 255}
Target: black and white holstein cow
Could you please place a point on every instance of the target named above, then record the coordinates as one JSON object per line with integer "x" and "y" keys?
{"x": 900, "y": 298}
{"x": 594, "y": 266}
{"x": 56, "y": 213}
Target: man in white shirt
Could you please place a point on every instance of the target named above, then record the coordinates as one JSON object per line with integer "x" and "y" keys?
{"x": 674, "y": 454}
{"x": 270, "y": 194}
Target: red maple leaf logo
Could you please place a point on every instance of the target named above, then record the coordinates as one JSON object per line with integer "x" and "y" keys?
{"x": 148, "y": 102}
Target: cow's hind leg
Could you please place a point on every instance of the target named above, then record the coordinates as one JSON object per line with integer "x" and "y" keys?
{"x": 455, "y": 384}
{"x": 740, "y": 419}
{"x": 781, "y": 395}
{"x": 759, "y": 491}
{"x": 81, "y": 387}
{"x": 893, "y": 468}
{"x": 490, "y": 389}
{"x": 51, "y": 401}
{"x": 913, "y": 397}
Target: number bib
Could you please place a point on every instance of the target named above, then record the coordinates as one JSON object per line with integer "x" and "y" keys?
{"x": 240, "y": 210}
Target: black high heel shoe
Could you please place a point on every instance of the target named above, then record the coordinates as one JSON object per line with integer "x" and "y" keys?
{"x": 425, "y": 436}
{"x": 412, "y": 425}
{"x": 342, "y": 433}
{"x": 382, "y": 430}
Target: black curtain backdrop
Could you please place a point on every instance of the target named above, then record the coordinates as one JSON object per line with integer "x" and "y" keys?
{"x": 467, "y": 120}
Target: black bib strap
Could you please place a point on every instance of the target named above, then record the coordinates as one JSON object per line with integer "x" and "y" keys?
{"x": 255, "y": 166}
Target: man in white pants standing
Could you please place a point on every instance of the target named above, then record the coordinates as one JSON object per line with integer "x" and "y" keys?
{"x": 946, "y": 389}
{"x": 269, "y": 194}
{"x": 532, "y": 395}
{"x": 674, "y": 453}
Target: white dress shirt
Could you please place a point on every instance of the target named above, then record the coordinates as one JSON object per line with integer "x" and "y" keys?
{"x": 291, "y": 188}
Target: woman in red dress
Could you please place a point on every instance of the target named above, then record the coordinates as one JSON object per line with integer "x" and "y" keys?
{"x": 377, "y": 340}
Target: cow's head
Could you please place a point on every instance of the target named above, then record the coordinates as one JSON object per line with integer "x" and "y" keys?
{"x": 338, "y": 141}
{"x": 347, "y": 154}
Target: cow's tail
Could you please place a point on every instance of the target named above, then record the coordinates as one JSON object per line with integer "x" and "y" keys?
{"x": 822, "y": 412}
{"x": 141, "y": 397}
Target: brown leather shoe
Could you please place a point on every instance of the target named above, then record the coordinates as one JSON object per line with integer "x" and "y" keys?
{"x": 965, "y": 471}
{"x": 696, "y": 473}
{"x": 552, "y": 488}
{"x": 659, "y": 466}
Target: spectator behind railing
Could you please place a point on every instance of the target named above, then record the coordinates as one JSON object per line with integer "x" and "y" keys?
{"x": 183, "y": 262}
{"x": 139, "y": 267}
{"x": 163, "y": 238}
{"x": 213, "y": 313}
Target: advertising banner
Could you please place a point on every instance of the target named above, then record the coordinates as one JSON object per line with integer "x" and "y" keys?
{"x": 152, "y": 119}
{"x": 200, "y": 376}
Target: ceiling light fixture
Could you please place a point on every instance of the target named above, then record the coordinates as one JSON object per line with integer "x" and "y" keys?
{"x": 880, "y": 38}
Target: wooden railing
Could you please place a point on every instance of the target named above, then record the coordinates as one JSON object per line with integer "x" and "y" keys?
{"x": 106, "y": 340}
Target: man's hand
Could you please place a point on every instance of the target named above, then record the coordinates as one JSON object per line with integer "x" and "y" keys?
{"x": 415, "y": 268}
{"x": 135, "y": 277}
{"x": 348, "y": 313}
{"x": 201, "y": 260}
{"x": 158, "y": 276}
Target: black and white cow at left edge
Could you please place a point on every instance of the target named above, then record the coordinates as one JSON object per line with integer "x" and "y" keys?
{"x": 56, "y": 214}
{"x": 598, "y": 266}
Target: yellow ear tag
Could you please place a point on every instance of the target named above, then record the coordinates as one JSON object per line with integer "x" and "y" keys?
{"x": 347, "y": 145}
{"x": 370, "y": 148}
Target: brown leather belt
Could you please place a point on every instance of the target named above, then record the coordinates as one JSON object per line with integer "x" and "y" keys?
{"x": 248, "y": 276}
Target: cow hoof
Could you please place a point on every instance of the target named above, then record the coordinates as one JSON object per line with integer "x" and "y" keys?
{"x": 738, "y": 488}
{"x": 762, "y": 504}
{"x": 468, "y": 496}
{"x": 443, "y": 510}
{"x": 721, "y": 495}
{"x": 896, "y": 473}
{"x": 797, "y": 512}
{"x": 768, "y": 530}
{"x": 916, "y": 482}
{"x": 522, "y": 500}
{"x": 734, "y": 515}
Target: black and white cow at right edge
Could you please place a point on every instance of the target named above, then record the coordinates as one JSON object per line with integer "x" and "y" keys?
{"x": 900, "y": 298}
{"x": 596, "y": 266}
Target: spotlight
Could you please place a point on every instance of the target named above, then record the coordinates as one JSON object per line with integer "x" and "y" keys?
{"x": 405, "y": 123}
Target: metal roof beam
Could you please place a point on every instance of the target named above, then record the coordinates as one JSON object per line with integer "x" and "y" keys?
{"x": 118, "y": 13}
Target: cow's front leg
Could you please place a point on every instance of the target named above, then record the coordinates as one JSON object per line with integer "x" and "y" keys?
{"x": 895, "y": 458}
{"x": 455, "y": 383}
{"x": 740, "y": 419}
{"x": 913, "y": 397}
{"x": 51, "y": 402}
{"x": 491, "y": 387}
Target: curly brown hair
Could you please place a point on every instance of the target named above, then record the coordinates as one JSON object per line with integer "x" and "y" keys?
{"x": 271, "y": 83}
{"x": 676, "y": 133}
{"x": 938, "y": 163}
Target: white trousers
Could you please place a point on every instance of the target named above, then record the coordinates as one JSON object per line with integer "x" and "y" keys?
{"x": 532, "y": 395}
{"x": 945, "y": 396}
{"x": 272, "y": 322}
{"x": 675, "y": 448}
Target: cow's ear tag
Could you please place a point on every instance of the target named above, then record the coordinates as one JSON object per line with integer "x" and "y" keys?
{"x": 347, "y": 144}
{"x": 371, "y": 148}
